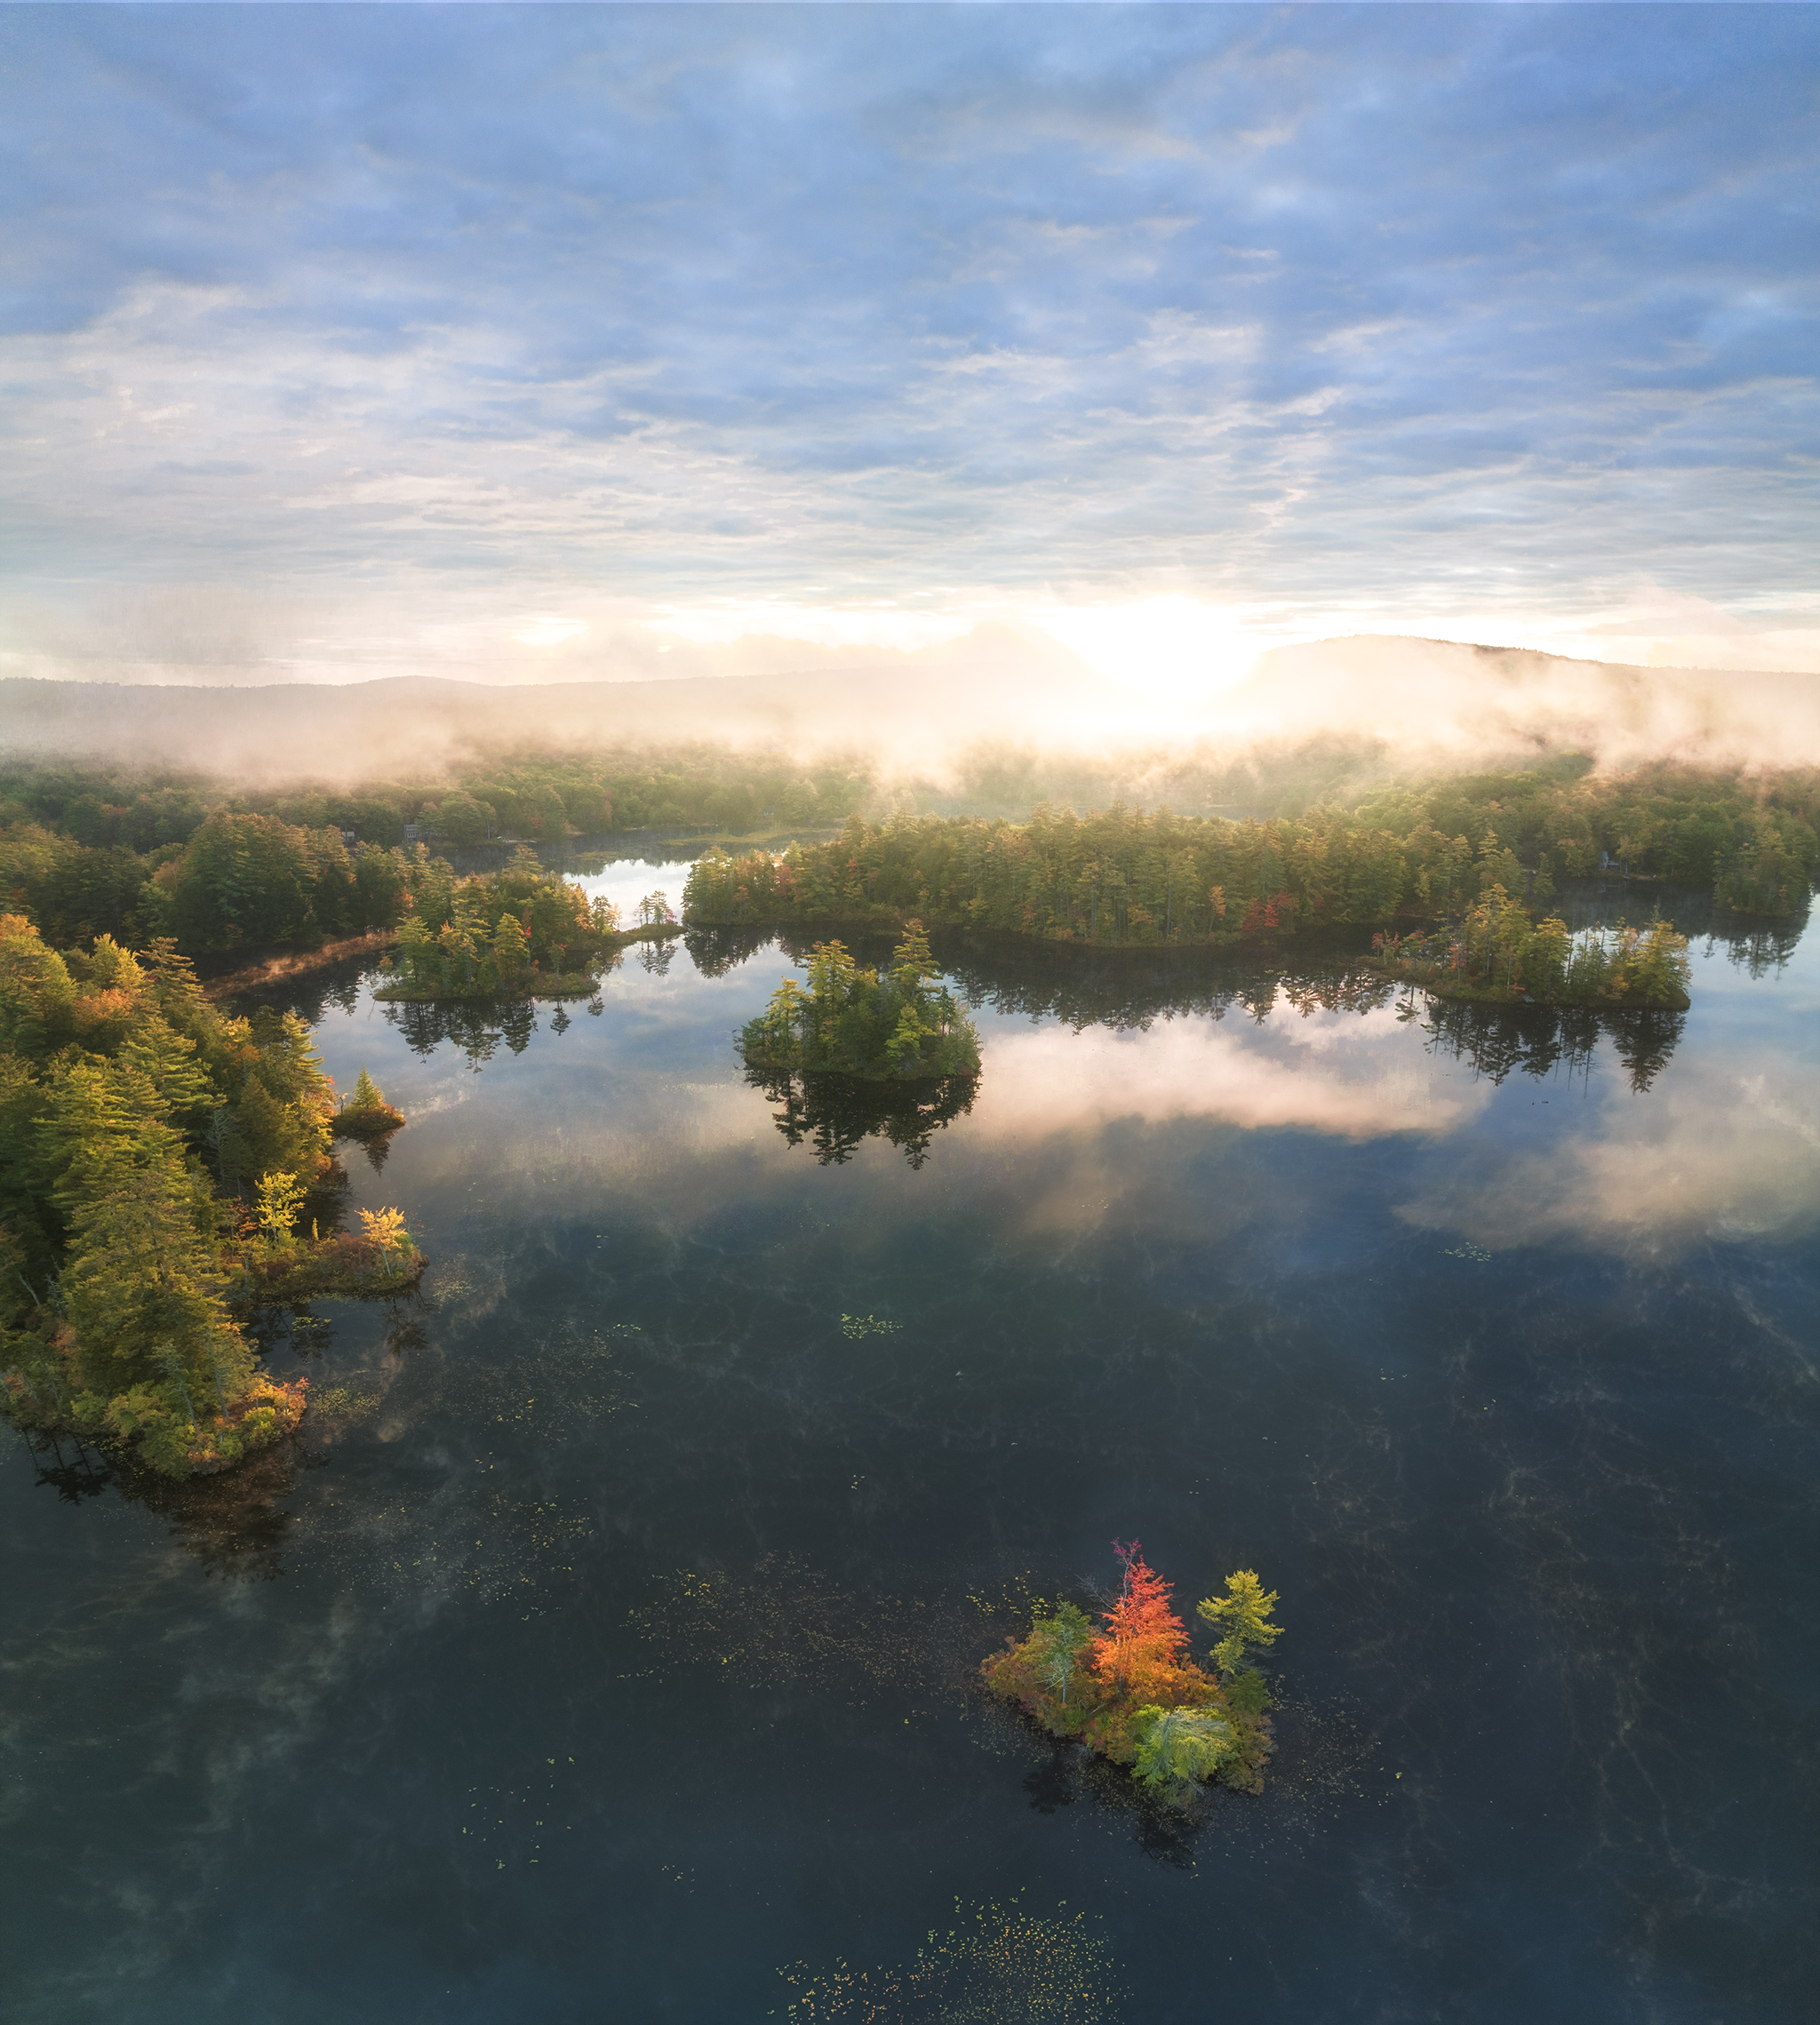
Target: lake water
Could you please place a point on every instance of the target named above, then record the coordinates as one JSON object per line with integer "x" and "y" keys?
{"x": 606, "y": 1649}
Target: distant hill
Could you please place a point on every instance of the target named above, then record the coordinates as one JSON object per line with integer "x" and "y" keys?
{"x": 993, "y": 683}
{"x": 1439, "y": 702}
{"x": 1432, "y": 703}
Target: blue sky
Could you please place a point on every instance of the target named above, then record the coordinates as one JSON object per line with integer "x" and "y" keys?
{"x": 340, "y": 339}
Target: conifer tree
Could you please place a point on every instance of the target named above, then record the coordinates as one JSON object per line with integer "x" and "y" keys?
{"x": 1244, "y": 1614}
{"x": 1178, "y": 1748}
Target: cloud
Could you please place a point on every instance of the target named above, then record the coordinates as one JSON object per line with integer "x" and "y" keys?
{"x": 1406, "y": 311}
{"x": 1716, "y": 1154}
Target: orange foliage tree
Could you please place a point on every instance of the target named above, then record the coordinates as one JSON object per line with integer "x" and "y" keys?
{"x": 1113, "y": 1687}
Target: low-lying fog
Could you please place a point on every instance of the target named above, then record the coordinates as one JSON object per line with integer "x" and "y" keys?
{"x": 1423, "y": 704}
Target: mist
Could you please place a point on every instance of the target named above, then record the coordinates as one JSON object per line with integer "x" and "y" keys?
{"x": 1395, "y": 707}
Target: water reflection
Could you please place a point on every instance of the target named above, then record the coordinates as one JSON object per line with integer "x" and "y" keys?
{"x": 834, "y": 1114}
{"x": 234, "y": 1524}
{"x": 1547, "y": 1040}
{"x": 477, "y": 1026}
{"x": 1230, "y": 1252}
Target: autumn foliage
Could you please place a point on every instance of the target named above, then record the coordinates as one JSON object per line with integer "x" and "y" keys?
{"x": 1129, "y": 1690}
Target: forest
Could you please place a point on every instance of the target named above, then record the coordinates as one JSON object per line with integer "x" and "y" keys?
{"x": 1122, "y": 879}
{"x": 1129, "y": 876}
{"x": 89, "y": 850}
{"x": 160, "y": 1165}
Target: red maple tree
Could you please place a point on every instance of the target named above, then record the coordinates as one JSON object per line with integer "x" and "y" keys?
{"x": 1139, "y": 1652}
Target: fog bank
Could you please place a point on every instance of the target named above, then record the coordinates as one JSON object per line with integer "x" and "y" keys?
{"x": 1423, "y": 704}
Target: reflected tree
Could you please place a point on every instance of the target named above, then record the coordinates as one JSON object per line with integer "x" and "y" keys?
{"x": 834, "y": 1114}
{"x": 1645, "y": 1042}
{"x": 231, "y": 1522}
{"x": 1542, "y": 1041}
{"x": 475, "y": 1026}
{"x": 716, "y": 950}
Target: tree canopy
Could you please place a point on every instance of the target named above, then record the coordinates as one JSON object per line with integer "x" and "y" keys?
{"x": 154, "y": 1154}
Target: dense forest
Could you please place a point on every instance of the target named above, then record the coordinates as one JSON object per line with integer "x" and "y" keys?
{"x": 79, "y": 846}
{"x": 84, "y": 854}
{"x": 1137, "y": 877}
{"x": 159, "y": 1163}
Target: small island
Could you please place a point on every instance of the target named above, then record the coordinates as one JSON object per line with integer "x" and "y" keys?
{"x": 364, "y": 1114}
{"x": 891, "y": 1024}
{"x": 1129, "y": 1693}
{"x": 523, "y": 932}
{"x": 1495, "y": 954}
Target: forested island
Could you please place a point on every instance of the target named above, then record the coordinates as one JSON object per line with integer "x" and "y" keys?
{"x": 1129, "y": 879}
{"x": 1495, "y": 953}
{"x": 160, "y": 1164}
{"x": 893, "y": 1023}
{"x": 523, "y": 931}
{"x": 1130, "y": 1692}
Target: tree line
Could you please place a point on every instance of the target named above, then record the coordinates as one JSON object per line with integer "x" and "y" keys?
{"x": 1128, "y": 877}
{"x": 219, "y": 874}
{"x": 1752, "y": 834}
{"x": 159, "y": 1161}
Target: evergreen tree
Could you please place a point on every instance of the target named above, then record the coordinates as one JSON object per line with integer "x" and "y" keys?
{"x": 1244, "y": 1614}
{"x": 1179, "y": 1747}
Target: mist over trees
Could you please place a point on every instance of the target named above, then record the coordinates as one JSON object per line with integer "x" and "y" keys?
{"x": 1204, "y": 845}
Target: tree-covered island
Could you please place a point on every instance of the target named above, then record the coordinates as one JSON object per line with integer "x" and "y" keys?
{"x": 892, "y": 1023}
{"x": 160, "y": 1162}
{"x": 1495, "y": 953}
{"x": 863, "y": 1053}
{"x": 1124, "y": 879}
{"x": 521, "y": 932}
{"x": 1130, "y": 1692}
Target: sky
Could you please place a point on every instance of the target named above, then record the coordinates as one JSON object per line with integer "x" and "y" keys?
{"x": 529, "y": 343}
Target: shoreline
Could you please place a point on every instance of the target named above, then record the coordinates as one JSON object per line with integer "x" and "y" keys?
{"x": 281, "y": 965}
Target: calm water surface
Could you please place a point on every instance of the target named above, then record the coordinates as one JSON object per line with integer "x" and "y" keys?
{"x": 605, "y": 1651}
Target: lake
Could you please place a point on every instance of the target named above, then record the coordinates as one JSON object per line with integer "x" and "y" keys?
{"x": 607, "y": 1647}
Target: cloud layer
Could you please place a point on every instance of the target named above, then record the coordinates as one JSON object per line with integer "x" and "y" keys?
{"x": 393, "y": 320}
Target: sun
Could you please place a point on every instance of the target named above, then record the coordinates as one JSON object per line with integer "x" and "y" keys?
{"x": 1170, "y": 650}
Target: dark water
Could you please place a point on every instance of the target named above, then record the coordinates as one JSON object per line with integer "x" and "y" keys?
{"x": 606, "y": 1650}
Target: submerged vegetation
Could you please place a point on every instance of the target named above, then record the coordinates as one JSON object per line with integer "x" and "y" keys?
{"x": 157, "y": 1158}
{"x": 1129, "y": 1693}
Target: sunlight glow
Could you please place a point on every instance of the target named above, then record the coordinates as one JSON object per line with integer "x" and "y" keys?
{"x": 1171, "y": 649}
{"x": 545, "y": 630}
